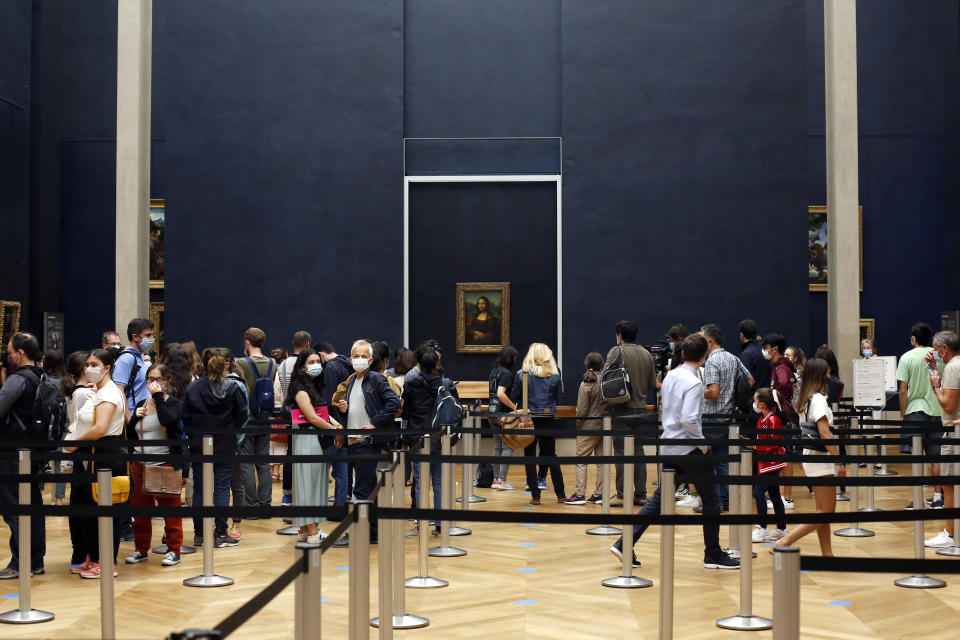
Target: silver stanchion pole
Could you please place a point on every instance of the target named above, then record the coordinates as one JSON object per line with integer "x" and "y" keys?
{"x": 359, "y": 585}
{"x": 854, "y": 530}
{"x": 882, "y": 450}
{"x": 208, "y": 578}
{"x": 24, "y": 613}
{"x": 919, "y": 581}
{"x": 745, "y": 621}
{"x": 471, "y": 447}
{"x": 293, "y": 529}
{"x": 626, "y": 580}
{"x": 108, "y": 623}
{"x": 786, "y": 593}
{"x": 401, "y": 619}
{"x": 841, "y": 496}
{"x": 607, "y": 450}
{"x": 446, "y": 500}
{"x": 423, "y": 580}
{"x": 871, "y": 506}
{"x": 955, "y": 549}
{"x": 737, "y": 540}
{"x": 385, "y": 556}
{"x": 307, "y": 593}
{"x": 668, "y": 507}
{"x": 465, "y": 488}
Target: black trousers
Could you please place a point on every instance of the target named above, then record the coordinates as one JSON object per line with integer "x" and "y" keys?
{"x": 548, "y": 447}
{"x": 9, "y": 496}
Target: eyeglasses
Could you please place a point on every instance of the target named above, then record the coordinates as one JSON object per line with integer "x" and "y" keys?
{"x": 153, "y": 379}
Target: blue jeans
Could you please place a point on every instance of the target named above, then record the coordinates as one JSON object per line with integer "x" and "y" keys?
{"x": 366, "y": 477}
{"x": 221, "y": 495}
{"x": 341, "y": 476}
{"x": 434, "y": 481}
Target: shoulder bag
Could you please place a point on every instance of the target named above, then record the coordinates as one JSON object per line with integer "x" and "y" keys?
{"x": 519, "y": 419}
{"x": 615, "y": 384}
{"x": 809, "y": 432}
{"x": 119, "y": 485}
{"x": 160, "y": 480}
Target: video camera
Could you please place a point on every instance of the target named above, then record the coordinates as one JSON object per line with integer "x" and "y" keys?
{"x": 662, "y": 353}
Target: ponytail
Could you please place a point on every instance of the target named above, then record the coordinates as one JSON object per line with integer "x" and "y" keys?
{"x": 216, "y": 368}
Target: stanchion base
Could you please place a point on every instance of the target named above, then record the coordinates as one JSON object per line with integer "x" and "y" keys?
{"x": 446, "y": 552}
{"x": 949, "y": 551}
{"x": 184, "y": 549}
{"x": 208, "y": 581}
{"x": 627, "y": 582}
{"x": 474, "y": 498}
{"x": 870, "y": 510}
{"x": 288, "y": 531}
{"x": 30, "y": 616}
{"x": 405, "y": 621}
{"x": 920, "y": 582}
{"x": 604, "y": 530}
{"x": 854, "y": 532}
{"x": 735, "y": 553}
{"x": 460, "y": 531}
{"x": 745, "y": 623}
{"x": 427, "y": 582}
{"x": 885, "y": 472}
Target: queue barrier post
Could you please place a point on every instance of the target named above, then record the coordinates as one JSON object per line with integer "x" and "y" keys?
{"x": 668, "y": 485}
{"x": 25, "y": 613}
{"x": 423, "y": 579}
{"x": 626, "y": 579}
{"x": 359, "y": 583}
{"x": 446, "y": 500}
{"x": 465, "y": 480}
{"x": 786, "y": 593}
{"x": 955, "y": 549}
{"x": 738, "y": 540}
{"x": 918, "y": 581}
{"x": 307, "y": 593}
{"x": 607, "y": 450}
{"x": 400, "y": 619}
{"x": 471, "y": 447}
{"x": 208, "y": 578}
{"x": 841, "y": 495}
{"x": 854, "y": 530}
{"x": 745, "y": 621}
{"x": 108, "y": 623}
{"x": 882, "y": 450}
{"x": 385, "y": 556}
{"x": 870, "y": 490}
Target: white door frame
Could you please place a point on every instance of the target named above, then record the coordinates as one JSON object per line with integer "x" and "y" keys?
{"x": 556, "y": 178}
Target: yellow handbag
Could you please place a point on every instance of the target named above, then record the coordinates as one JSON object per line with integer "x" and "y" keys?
{"x": 119, "y": 485}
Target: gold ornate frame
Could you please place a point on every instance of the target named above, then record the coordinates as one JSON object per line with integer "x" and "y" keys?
{"x": 503, "y": 288}
{"x": 823, "y": 209}
{"x": 157, "y": 203}
{"x": 867, "y": 328}
{"x": 8, "y": 329}
{"x": 157, "y": 308}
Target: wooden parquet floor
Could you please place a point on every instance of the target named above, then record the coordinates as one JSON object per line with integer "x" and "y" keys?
{"x": 567, "y": 600}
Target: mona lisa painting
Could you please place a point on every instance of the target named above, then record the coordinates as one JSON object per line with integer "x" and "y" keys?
{"x": 483, "y": 316}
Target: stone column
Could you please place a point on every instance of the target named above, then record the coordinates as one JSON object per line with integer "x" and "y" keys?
{"x": 134, "y": 47}
{"x": 843, "y": 235}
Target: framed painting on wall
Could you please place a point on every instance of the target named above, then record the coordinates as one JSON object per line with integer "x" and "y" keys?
{"x": 156, "y": 317}
{"x": 157, "y": 242}
{"x": 9, "y": 321}
{"x": 867, "y": 328}
{"x": 817, "y": 267}
{"x": 483, "y": 316}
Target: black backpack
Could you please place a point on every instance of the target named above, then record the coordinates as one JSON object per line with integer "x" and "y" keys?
{"x": 742, "y": 392}
{"x": 446, "y": 410}
{"x": 49, "y": 419}
{"x": 615, "y": 385}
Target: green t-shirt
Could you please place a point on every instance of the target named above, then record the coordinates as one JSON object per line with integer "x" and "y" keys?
{"x": 913, "y": 370}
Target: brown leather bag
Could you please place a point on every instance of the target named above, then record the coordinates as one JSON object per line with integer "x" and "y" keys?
{"x": 161, "y": 481}
{"x": 519, "y": 419}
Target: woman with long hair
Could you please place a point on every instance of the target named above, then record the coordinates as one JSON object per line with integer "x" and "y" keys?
{"x": 500, "y": 383}
{"x": 101, "y": 419}
{"x": 156, "y": 418}
{"x": 590, "y": 404}
{"x": 78, "y": 392}
{"x": 545, "y": 390}
{"x": 311, "y": 480}
{"x": 812, "y": 407}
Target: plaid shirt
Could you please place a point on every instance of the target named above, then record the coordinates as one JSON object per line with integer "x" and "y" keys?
{"x": 721, "y": 368}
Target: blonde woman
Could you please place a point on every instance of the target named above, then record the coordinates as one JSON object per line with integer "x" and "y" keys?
{"x": 812, "y": 407}
{"x": 545, "y": 390}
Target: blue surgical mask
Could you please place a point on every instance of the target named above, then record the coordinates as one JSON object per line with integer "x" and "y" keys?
{"x": 146, "y": 345}
{"x": 313, "y": 370}
{"x": 673, "y": 347}
{"x": 936, "y": 355}
{"x": 867, "y": 353}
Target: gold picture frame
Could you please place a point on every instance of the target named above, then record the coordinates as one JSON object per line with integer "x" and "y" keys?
{"x": 157, "y": 248}
{"x": 156, "y": 317}
{"x": 817, "y": 267}
{"x": 867, "y": 328}
{"x": 483, "y": 316}
{"x": 9, "y": 321}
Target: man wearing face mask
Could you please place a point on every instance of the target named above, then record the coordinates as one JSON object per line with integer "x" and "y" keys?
{"x": 751, "y": 354}
{"x": 336, "y": 369}
{"x": 369, "y": 404}
{"x": 111, "y": 340}
{"x": 16, "y": 409}
{"x": 130, "y": 369}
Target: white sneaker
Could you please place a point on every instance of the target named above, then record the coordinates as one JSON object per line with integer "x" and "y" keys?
{"x": 776, "y": 534}
{"x": 170, "y": 559}
{"x": 690, "y": 501}
{"x": 506, "y": 486}
{"x": 316, "y": 539}
{"x": 787, "y": 504}
{"x": 760, "y": 534}
{"x": 495, "y": 484}
{"x": 939, "y": 541}
{"x": 680, "y": 493}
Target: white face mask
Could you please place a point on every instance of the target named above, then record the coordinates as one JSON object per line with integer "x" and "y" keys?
{"x": 766, "y": 354}
{"x": 94, "y": 374}
{"x": 756, "y": 409}
{"x": 314, "y": 369}
{"x": 360, "y": 364}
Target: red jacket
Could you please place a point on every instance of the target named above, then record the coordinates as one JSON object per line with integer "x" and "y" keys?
{"x": 767, "y": 426}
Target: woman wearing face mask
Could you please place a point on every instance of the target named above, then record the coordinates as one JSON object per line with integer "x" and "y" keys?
{"x": 311, "y": 480}
{"x": 78, "y": 392}
{"x": 100, "y": 419}
{"x": 156, "y": 418}
{"x": 868, "y": 348}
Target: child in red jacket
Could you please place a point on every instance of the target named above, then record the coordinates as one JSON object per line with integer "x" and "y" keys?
{"x": 769, "y": 424}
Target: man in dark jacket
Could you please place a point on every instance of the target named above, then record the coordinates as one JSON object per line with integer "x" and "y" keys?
{"x": 751, "y": 354}
{"x": 336, "y": 370}
{"x": 370, "y": 404}
{"x": 16, "y": 410}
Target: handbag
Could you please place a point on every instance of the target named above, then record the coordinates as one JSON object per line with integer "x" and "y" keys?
{"x": 519, "y": 419}
{"x": 809, "y": 431}
{"x": 615, "y": 385}
{"x": 119, "y": 485}
{"x": 160, "y": 480}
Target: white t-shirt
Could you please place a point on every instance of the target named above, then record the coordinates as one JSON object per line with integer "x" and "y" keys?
{"x": 817, "y": 408}
{"x": 86, "y": 416}
{"x": 357, "y": 408}
{"x": 75, "y": 402}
